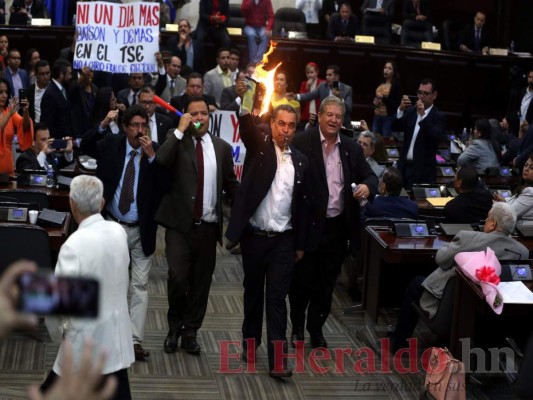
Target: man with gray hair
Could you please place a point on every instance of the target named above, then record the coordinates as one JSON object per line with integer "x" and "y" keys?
{"x": 98, "y": 250}
{"x": 367, "y": 141}
{"x": 496, "y": 234}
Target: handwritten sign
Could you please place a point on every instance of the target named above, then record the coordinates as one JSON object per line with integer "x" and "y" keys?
{"x": 225, "y": 125}
{"x": 117, "y": 38}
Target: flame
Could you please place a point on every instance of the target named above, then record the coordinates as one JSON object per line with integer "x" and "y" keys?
{"x": 266, "y": 78}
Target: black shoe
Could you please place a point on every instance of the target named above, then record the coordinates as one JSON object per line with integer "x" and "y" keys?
{"x": 286, "y": 373}
{"x": 318, "y": 341}
{"x": 190, "y": 345}
{"x": 171, "y": 341}
{"x": 297, "y": 335}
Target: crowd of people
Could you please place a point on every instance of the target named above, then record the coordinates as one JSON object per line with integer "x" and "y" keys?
{"x": 306, "y": 187}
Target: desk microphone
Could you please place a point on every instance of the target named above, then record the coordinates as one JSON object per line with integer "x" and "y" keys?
{"x": 514, "y": 252}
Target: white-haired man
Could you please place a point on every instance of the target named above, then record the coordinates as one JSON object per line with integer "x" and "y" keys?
{"x": 98, "y": 250}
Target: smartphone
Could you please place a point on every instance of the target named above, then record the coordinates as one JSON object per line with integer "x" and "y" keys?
{"x": 59, "y": 144}
{"x": 47, "y": 294}
{"x": 335, "y": 85}
{"x": 22, "y": 96}
{"x": 413, "y": 99}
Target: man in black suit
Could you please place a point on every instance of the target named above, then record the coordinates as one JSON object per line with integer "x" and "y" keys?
{"x": 132, "y": 190}
{"x": 42, "y": 153}
{"x": 158, "y": 124}
{"x": 344, "y": 25}
{"x": 268, "y": 219}
{"x": 524, "y": 106}
{"x": 55, "y": 108}
{"x": 36, "y": 90}
{"x": 474, "y": 200}
{"x": 475, "y": 38}
{"x": 416, "y": 13}
{"x": 335, "y": 163}
{"x": 229, "y": 98}
{"x": 187, "y": 48}
{"x": 130, "y": 95}
{"x": 194, "y": 88}
{"x": 201, "y": 166}
{"x": 424, "y": 127}
{"x": 22, "y": 11}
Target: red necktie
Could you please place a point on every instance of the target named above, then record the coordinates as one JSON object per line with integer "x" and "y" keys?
{"x": 126, "y": 194}
{"x": 199, "y": 200}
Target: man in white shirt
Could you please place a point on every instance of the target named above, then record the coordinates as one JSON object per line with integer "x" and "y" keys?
{"x": 36, "y": 90}
{"x": 158, "y": 124}
{"x": 169, "y": 82}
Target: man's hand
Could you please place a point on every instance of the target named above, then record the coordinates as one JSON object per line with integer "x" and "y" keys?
{"x": 70, "y": 144}
{"x": 290, "y": 96}
{"x": 146, "y": 144}
{"x": 420, "y": 108}
{"x": 298, "y": 255}
{"x": 336, "y": 92}
{"x": 48, "y": 148}
{"x": 364, "y": 125}
{"x": 159, "y": 60}
{"x": 10, "y": 318}
{"x": 111, "y": 116}
{"x": 405, "y": 103}
{"x": 362, "y": 192}
{"x": 241, "y": 87}
{"x": 185, "y": 122}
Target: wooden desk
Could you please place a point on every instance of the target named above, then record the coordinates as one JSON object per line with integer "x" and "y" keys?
{"x": 58, "y": 198}
{"x": 470, "y": 304}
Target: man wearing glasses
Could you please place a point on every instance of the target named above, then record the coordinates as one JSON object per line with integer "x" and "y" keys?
{"x": 158, "y": 124}
{"x": 268, "y": 218}
{"x": 424, "y": 128}
{"x": 131, "y": 178}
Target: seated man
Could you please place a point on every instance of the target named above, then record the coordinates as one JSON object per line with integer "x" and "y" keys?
{"x": 496, "y": 234}
{"x": 344, "y": 25}
{"x": 367, "y": 141}
{"x": 389, "y": 203}
{"x": 475, "y": 37}
{"x": 473, "y": 202}
{"x": 42, "y": 153}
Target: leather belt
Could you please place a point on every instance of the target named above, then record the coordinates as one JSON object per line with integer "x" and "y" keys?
{"x": 269, "y": 234}
{"x": 201, "y": 222}
{"x": 128, "y": 224}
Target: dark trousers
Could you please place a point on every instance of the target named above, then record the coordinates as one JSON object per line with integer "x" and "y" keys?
{"x": 315, "y": 278}
{"x": 269, "y": 259}
{"x": 191, "y": 261}
{"x": 408, "y": 317}
{"x": 123, "y": 389}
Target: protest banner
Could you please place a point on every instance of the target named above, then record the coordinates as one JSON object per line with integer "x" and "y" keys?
{"x": 225, "y": 125}
{"x": 117, "y": 38}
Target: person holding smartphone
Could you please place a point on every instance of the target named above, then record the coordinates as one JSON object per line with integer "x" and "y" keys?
{"x": 46, "y": 151}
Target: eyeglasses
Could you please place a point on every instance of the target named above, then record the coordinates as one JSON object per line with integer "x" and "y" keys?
{"x": 138, "y": 125}
{"x": 528, "y": 166}
{"x": 423, "y": 93}
{"x": 283, "y": 124}
{"x": 146, "y": 103}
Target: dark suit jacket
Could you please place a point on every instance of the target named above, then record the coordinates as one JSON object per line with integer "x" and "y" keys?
{"x": 37, "y": 11}
{"x": 468, "y": 208}
{"x": 28, "y": 160}
{"x": 227, "y": 99}
{"x": 30, "y": 95}
{"x": 355, "y": 170}
{"x": 81, "y": 109}
{"x": 432, "y": 132}
{"x": 122, "y": 96}
{"x": 388, "y": 6}
{"x": 409, "y": 11}
{"x": 337, "y": 28}
{"x": 111, "y": 158}
{"x": 198, "y": 64}
{"x": 164, "y": 124}
{"x": 55, "y": 112}
{"x": 390, "y": 207}
{"x": 180, "y": 102}
{"x": 179, "y": 158}
{"x": 322, "y": 91}
{"x": 468, "y": 38}
{"x": 261, "y": 171}
{"x": 25, "y": 79}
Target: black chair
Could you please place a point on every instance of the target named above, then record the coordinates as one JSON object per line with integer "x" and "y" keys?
{"x": 522, "y": 369}
{"x": 36, "y": 199}
{"x": 441, "y": 323}
{"x": 378, "y": 26}
{"x": 290, "y": 19}
{"x": 28, "y": 242}
{"x": 236, "y": 20}
{"x": 415, "y": 32}
{"x": 451, "y": 34}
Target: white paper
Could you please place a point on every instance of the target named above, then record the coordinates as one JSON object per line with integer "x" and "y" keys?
{"x": 515, "y": 293}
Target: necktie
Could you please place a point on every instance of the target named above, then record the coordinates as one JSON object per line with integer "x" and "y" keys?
{"x": 134, "y": 99}
{"x": 172, "y": 84}
{"x": 477, "y": 41}
{"x": 126, "y": 194}
{"x": 199, "y": 200}
{"x": 64, "y": 92}
{"x": 379, "y": 4}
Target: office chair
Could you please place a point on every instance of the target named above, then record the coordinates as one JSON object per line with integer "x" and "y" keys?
{"x": 451, "y": 34}
{"x": 523, "y": 365}
{"x": 36, "y": 197}
{"x": 378, "y": 26}
{"x": 28, "y": 242}
{"x": 440, "y": 324}
{"x": 236, "y": 20}
{"x": 291, "y": 19}
{"x": 415, "y": 32}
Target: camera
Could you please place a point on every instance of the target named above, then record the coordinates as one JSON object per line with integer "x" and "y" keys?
{"x": 59, "y": 144}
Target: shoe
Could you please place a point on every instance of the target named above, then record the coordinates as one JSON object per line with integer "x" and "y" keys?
{"x": 171, "y": 341}
{"x": 140, "y": 353}
{"x": 318, "y": 341}
{"x": 190, "y": 345}
{"x": 297, "y": 335}
{"x": 286, "y": 373}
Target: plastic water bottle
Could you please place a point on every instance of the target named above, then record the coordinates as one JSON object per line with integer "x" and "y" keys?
{"x": 362, "y": 201}
{"x": 464, "y": 136}
{"x": 50, "y": 177}
{"x": 511, "y": 47}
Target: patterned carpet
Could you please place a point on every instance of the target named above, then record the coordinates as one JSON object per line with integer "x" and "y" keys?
{"x": 25, "y": 361}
